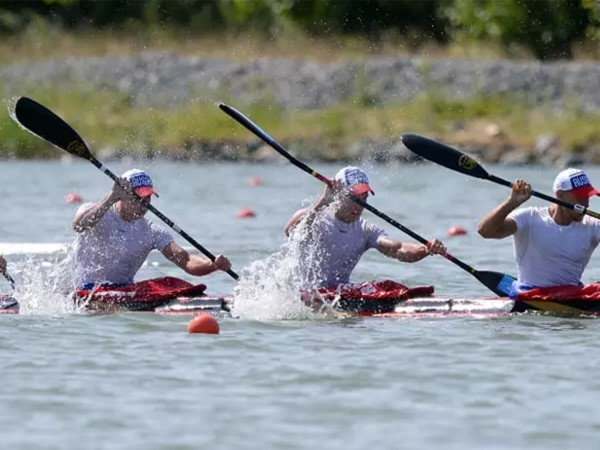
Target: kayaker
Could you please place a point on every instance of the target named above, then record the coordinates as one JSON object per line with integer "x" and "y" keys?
{"x": 552, "y": 244}
{"x": 338, "y": 236}
{"x": 115, "y": 237}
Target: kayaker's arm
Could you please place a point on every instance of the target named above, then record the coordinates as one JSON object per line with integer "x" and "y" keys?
{"x": 407, "y": 251}
{"x": 194, "y": 264}
{"x": 326, "y": 198}
{"x": 89, "y": 218}
{"x": 295, "y": 220}
{"x": 2, "y": 265}
{"x": 495, "y": 224}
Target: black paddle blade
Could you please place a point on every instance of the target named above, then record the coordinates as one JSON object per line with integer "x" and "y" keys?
{"x": 499, "y": 283}
{"x": 44, "y": 123}
{"x": 246, "y": 122}
{"x": 444, "y": 155}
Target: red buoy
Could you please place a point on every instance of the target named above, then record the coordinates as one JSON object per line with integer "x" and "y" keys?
{"x": 456, "y": 230}
{"x": 255, "y": 181}
{"x": 245, "y": 213}
{"x": 73, "y": 197}
{"x": 204, "y": 323}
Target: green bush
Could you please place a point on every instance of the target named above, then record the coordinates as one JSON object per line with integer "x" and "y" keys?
{"x": 548, "y": 28}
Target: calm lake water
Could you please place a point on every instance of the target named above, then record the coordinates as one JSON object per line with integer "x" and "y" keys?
{"x": 141, "y": 381}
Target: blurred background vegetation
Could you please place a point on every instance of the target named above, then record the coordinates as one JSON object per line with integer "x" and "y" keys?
{"x": 325, "y": 30}
{"x": 543, "y": 29}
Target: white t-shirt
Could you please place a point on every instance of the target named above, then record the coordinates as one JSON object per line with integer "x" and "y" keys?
{"x": 114, "y": 250}
{"x": 338, "y": 247}
{"x": 549, "y": 254}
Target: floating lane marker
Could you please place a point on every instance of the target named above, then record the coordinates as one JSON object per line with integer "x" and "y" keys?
{"x": 35, "y": 248}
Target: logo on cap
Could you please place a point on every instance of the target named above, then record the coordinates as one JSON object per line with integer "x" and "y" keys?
{"x": 355, "y": 176}
{"x": 580, "y": 180}
{"x": 140, "y": 180}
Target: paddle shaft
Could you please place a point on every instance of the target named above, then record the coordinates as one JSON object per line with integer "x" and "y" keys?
{"x": 577, "y": 207}
{"x": 251, "y": 126}
{"x": 91, "y": 158}
{"x": 9, "y": 279}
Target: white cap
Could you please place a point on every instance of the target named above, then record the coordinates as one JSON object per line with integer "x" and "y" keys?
{"x": 575, "y": 181}
{"x": 140, "y": 182}
{"x": 355, "y": 180}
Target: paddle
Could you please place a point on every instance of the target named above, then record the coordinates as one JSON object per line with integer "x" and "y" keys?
{"x": 42, "y": 122}
{"x": 10, "y": 279}
{"x": 499, "y": 283}
{"x": 453, "y": 159}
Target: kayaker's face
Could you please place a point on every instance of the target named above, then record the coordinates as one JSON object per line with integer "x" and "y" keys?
{"x": 134, "y": 209}
{"x": 349, "y": 210}
{"x": 575, "y": 200}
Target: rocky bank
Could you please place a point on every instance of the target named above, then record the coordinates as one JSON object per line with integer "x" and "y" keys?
{"x": 166, "y": 80}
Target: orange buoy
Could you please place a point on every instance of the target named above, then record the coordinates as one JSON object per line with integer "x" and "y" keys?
{"x": 245, "y": 212}
{"x": 204, "y": 323}
{"x": 456, "y": 230}
{"x": 255, "y": 181}
{"x": 73, "y": 197}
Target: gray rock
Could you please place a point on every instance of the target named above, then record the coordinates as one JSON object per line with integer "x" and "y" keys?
{"x": 571, "y": 161}
{"x": 265, "y": 154}
{"x": 545, "y": 143}
{"x": 515, "y": 158}
{"x": 169, "y": 80}
{"x": 359, "y": 150}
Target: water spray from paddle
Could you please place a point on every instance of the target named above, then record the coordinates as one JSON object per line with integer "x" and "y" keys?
{"x": 270, "y": 289}
{"x": 46, "y": 287}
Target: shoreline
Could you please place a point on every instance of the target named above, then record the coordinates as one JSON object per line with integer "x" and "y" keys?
{"x": 158, "y": 103}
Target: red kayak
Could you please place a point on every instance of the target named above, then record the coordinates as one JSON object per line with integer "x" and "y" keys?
{"x": 371, "y": 297}
{"x": 142, "y": 296}
{"x": 390, "y": 299}
{"x": 167, "y": 295}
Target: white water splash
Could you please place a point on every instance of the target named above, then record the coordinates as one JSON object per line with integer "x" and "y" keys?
{"x": 46, "y": 287}
{"x": 269, "y": 289}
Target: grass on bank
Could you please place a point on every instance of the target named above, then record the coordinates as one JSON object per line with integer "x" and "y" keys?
{"x": 41, "y": 40}
{"x": 107, "y": 120}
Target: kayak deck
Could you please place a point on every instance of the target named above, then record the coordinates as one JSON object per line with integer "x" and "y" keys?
{"x": 451, "y": 306}
{"x": 217, "y": 305}
{"x": 429, "y": 306}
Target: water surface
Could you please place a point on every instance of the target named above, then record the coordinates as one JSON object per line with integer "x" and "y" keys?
{"x": 139, "y": 380}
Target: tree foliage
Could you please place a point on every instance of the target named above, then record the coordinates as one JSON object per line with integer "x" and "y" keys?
{"x": 548, "y": 28}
